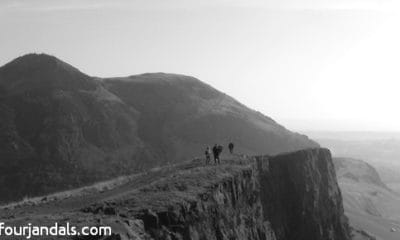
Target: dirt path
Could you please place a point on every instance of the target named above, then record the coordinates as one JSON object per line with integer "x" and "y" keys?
{"x": 75, "y": 203}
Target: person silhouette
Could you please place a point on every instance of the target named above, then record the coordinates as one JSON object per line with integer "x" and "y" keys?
{"x": 231, "y": 146}
{"x": 208, "y": 154}
{"x": 215, "y": 151}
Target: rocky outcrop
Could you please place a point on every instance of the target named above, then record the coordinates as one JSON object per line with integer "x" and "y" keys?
{"x": 287, "y": 197}
{"x": 230, "y": 210}
{"x": 301, "y": 197}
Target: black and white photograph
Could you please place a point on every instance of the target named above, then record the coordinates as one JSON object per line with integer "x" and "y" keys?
{"x": 199, "y": 119}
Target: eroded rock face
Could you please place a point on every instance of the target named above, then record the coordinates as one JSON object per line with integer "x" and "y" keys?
{"x": 292, "y": 196}
{"x": 301, "y": 197}
{"x": 231, "y": 210}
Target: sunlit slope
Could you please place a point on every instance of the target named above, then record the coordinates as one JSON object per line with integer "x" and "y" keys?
{"x": 377, "y": 227}
{"x": 368, "y": 202}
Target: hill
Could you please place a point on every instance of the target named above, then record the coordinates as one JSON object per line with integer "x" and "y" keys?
{"x": 368, "y": 202}
{"x": 61, "y": 129}
{"x": 180, "y": 115}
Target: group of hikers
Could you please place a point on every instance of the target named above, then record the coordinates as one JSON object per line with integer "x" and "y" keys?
{"x": 216, "y": 151}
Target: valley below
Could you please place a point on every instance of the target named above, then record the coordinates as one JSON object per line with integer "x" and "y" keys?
{"x": 373, "y": 209}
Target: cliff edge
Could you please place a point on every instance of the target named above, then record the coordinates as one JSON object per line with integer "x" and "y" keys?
{"x": 301, "y": 197}
{"x": 291, "y": 196}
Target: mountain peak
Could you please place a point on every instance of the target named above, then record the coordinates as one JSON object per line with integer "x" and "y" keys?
{"x": 41, "y": 71}
{"x": 36, "y": 57}
{"x": 42, "y": 61}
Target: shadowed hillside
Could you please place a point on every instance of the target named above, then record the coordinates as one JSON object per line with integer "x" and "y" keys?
{"x": 179, "y": 115}
{"x": 60, "y": 128}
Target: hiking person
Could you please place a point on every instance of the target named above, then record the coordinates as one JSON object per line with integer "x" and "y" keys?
{"x": 219, "y": 149}
{"x": 208, "y": 155}
{"x": 231, "y": 146}
{"x": 215, "y": 153}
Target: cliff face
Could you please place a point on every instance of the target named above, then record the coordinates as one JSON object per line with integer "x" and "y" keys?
{"x": 301, "y": 197}
{"x": 293, "y": 196}
{"x": 230, "y": 209}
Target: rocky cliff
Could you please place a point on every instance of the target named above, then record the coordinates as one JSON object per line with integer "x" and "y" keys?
{"x": 301, "y": 197}
{"x": 292, "y": 196}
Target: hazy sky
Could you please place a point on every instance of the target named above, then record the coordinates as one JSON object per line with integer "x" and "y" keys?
{"x": 309, "y": 64}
